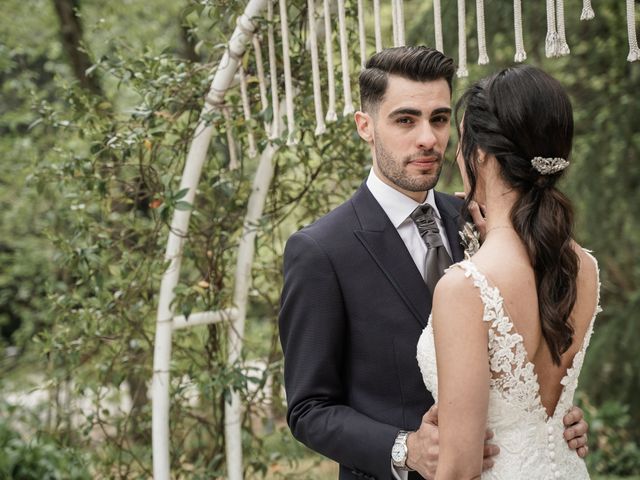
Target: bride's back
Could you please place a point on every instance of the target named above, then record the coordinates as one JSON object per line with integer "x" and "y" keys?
{"x": 505, "y": 263}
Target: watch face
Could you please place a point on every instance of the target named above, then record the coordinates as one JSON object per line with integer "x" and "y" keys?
{"x": 398, "y": 452}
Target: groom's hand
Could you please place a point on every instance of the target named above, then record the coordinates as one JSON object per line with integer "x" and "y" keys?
{"x": 575, "y": 432}
{"x": 423, "y": 446}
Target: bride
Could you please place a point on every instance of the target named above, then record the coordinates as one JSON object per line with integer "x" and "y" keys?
{"x": 510, "y": 325}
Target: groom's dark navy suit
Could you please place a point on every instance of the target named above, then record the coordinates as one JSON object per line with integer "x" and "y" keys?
{"x": 353, "y": 307}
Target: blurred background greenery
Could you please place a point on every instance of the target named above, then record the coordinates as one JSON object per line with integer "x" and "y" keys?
{"x": 98, "y": 105}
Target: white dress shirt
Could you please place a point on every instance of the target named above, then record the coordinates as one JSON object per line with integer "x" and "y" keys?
{"x": 398, "y": 207}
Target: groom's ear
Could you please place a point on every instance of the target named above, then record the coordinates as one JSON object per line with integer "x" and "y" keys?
{"x": 364, "y": 125}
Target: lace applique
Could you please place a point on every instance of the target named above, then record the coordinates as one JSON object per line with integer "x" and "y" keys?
{"x": 531, "y": 443}
{"x": 511, "y": 372}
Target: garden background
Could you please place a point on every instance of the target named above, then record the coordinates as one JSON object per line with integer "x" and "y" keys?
{"x": 99, "y": 101}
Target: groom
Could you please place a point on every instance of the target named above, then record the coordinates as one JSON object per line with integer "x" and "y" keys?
{"x": 356, "y": 296}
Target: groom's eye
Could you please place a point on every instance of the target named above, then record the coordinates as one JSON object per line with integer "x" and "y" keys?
{"x": 404, "y": 121}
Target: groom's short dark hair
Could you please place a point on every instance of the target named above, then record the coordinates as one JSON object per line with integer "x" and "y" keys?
{"x": 417, "y": 63}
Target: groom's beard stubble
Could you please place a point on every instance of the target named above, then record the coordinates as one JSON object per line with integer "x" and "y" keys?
{"x": 394, "y": 170}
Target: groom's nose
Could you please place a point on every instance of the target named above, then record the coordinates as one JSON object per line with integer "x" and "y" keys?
{"x": 426, "y": 138}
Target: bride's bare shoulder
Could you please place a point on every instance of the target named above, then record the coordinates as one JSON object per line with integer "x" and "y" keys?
{"x": 456, "y": 291}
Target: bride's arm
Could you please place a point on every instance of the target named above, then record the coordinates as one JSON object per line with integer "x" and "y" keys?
{"x": 463, "y": 376}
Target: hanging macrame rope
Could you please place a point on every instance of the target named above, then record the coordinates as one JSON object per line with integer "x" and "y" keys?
{"x": 520, "y": 55}
{"x": 233, "y": 156}
{"x": 376, "y": 24}
{"x": 634, "y": 51}
{"x": 273, "y": 72}
{"x": 288, "y": 83}
{"x": 462, "y": 41}
{"x": 315, "y": 68}
{"x": 394, "y": 22}
{"x": 331, "y": 80}
{"x": 246, "y": 108}
{"x": 551, "y": 41}
{"x": 344, "y": 56}
{"x": 437, "y": 24}
{"x": 362, "y": 34}
{"x": 587, "y": 10}
{"x": 257, "y": 49}
{"x": 400, "y": 16}
{"x": 483, "y": 57}
{"x": 562, "y": 48}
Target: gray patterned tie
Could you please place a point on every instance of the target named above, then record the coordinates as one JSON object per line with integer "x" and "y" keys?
{"x": 438, "y": 260}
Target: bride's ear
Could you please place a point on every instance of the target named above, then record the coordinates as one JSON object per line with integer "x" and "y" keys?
{"x": 481, "y": 157}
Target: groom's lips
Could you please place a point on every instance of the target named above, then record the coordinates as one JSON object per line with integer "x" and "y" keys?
{"x": 424, "y": 161}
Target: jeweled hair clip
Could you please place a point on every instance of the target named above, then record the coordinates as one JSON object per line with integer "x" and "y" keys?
{"x": 549, "y": 166}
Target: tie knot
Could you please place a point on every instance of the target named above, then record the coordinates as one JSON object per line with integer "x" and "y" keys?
{"x": 425, "y": 220}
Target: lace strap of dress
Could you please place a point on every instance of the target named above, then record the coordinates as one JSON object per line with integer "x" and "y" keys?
{"x": 570, "y": 380}
{"x": 491, "y": 297}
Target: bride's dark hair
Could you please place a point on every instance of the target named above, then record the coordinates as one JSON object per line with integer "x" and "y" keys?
{"x": 516, "y": 115}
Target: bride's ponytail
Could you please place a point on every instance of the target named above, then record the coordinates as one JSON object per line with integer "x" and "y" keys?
{"x": 517, "y": 115}
{"x": 544, "y": 220}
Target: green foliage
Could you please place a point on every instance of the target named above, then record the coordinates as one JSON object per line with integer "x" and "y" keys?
{"x": 39, "y": 458}
{"x": 613, "y": 451}
{"x": 91, "y": 183}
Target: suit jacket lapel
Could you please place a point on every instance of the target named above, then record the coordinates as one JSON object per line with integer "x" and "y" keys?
{"x": 451, "y": 219}
{"x": 387, "y": 249}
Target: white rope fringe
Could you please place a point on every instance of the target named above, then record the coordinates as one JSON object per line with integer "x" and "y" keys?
{"x": 483, "y": 57}
{"x": 231, "y": 143}
{"x": 562, "y": 48}
{"x": 462, "y": 41}
{"x": 257, "y": 49}
{"x": 551, "y": 41}
{"x": 376, "y": 26}
{"x": 437, "y": 24}
{"x": 587, "y": 10}
{"x": 400, "y": 16}
{"x": 315, "y": 68}
{"x": 246, "y": 109}
{"x": 362, "y": 34}
{"x": 520, "y": 55}
{"x": 273, "y": 72}
{"x": 344, "y": 55}
{"x": 288, "y": 83}
{"x": 634, "y": 51}
{"x": 394, "y": 23}
{"x": 331, "y": 109}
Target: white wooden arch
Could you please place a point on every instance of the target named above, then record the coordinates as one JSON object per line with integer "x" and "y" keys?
{"x": 230, "y": 67}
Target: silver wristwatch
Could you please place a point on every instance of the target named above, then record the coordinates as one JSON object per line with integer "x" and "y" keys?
{"x": 399, "y": 451}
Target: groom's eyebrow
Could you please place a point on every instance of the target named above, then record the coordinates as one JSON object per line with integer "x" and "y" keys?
{"x": 406, "y": 111}
{"x": 418, "y": 113}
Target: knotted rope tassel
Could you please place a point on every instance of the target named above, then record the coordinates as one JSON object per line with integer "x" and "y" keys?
{"x": 376, "y": 24}
{"x": 520, "y": 55}
{"x": 562, "y": 46}
{"x": 331, "y": 80}
{"x": 634, "y": 51}
{"x": 587, "y": 10}
{"x": 462, "y": 42}
{"x": 437, "y": 24}
{"x": 483, "y": 57}
{"x": 288, "y": 83}
{"x": 246, "y": 108}
{"x": 362, "y": 35}
{"x": 344, "y": 56}
{"x": 551, "y": 41}
{"x": 315, "y": 68}
{"x": 273, "y": 74}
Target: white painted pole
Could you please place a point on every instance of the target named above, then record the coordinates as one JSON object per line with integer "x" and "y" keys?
{"x": 246, "y": 251}
{"x": 179, "y": 226}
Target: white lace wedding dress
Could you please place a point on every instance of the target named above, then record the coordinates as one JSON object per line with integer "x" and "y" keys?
{"x": 531, "y": 443}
